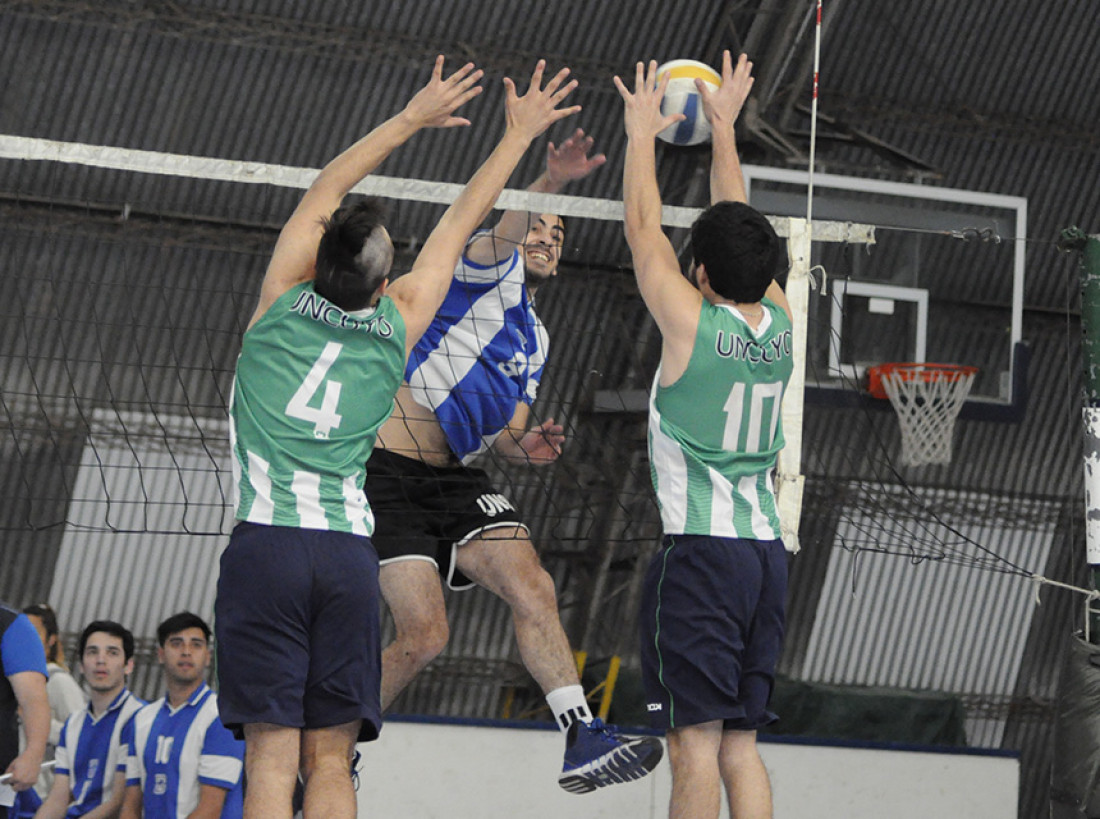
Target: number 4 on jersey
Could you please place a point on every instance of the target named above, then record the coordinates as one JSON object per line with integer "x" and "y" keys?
{"x": 326, "y": 418}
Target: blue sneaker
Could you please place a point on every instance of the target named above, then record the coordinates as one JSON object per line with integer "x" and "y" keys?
{"x": 596, "y": 756}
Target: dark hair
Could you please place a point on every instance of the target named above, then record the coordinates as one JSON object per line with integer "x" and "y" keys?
{"x": 107, "y": 627}
{"x": 738, "y": 248}
{"x": 353, "y": 256}
{"x": 45, "y": 613}
{"x": 180, "y": 622}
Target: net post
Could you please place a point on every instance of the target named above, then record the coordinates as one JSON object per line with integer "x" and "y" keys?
{"x": 1090, "y": 327}
{"x": 791, "y": 481}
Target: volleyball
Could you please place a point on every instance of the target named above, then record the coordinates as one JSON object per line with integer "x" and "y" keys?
{"x": 681, "y": 97}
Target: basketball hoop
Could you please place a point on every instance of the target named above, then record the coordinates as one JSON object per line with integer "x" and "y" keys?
{"x": 927, "y": 398}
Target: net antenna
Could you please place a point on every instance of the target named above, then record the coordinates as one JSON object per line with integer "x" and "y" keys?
{"x": 927, "y": 399}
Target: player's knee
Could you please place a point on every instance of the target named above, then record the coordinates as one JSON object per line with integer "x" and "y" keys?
{"x": 325, "y": 767}
{"x": 328, "y": 759}
{"x": 434, "y": 639}
{"x": 739, "y": 748}
{"x": 423, "y": 641}
{"x": 532, "y": 591}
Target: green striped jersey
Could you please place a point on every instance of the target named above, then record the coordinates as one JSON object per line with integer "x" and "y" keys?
{"x": 715, "y": 433}
{"x": 312, "y": 387}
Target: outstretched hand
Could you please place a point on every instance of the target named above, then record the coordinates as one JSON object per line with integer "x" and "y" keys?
{"x": 571, "y": 161}
{"x": 642, "y": 109}
{"x": 722, "y": 106}
{"x": 542, "y": 444}
{"x": 434, "y": 105}
{"x": 537, "y": 109}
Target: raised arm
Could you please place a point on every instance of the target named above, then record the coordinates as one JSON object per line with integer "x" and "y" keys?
{"x": 673, "y": 302}
{"x": 420, "y": 292}
{"x": 563, "y": 165}
{"x": 433, "y": 106}
{"x": 721, "y": 108}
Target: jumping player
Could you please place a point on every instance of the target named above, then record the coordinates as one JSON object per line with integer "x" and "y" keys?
{"x": 711, "y": 618}
{"x": 470, "y": 384}
{"x": 297, "y": 602}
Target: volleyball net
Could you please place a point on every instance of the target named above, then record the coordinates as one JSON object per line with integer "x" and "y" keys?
{"x": 121, "y": 328}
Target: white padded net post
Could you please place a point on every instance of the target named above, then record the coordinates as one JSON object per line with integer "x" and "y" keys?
{"x": 927, "y": 398}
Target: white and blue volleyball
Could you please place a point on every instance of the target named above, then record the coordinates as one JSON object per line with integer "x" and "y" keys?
{"x": 682, "y": 97}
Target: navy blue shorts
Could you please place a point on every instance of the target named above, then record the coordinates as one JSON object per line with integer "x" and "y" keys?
{"x": 711, "y": 626}
{"x": 297, "y": 627}
{"x": 425, "y": 512}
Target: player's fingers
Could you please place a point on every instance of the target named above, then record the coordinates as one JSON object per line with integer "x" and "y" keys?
{"x": 536, "y": 75}
{"x": 621, "y": 88}
{"x": 468, "y": 95}
{"x": 744, "y": 67}
{"x": 466, "y": 76}
{"x": 557, "y": 80}
{"x": 562, "y": 93}
{"x": 653, "y": 79}
{"x": 562, "y": 113}
{"x": 639, "y": 77}
{"x": 662, "y": 83}
{"x": 456, "y": 122}
{"x": 437, "y": 69}
{"x": 509, "y": 89}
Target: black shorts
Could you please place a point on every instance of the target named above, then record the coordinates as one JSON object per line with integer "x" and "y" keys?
{"x": 297, "y": 627}
{"x": 424, "y": 512}
{"x": 711, "y": 626}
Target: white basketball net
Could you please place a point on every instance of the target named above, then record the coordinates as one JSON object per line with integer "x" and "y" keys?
{"x": 927, "y": 401}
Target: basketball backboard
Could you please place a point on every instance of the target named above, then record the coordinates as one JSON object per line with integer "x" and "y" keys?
{"x": 943, "y": 283}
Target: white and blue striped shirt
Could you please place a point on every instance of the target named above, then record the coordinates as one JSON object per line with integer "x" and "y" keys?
{"x": 91, "y": 751}
{"x": 483, "y": 354}
{"x": 173, "y": 751}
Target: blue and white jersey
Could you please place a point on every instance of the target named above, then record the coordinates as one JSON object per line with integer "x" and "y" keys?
{"x": 173, "y": 751}
{"x": 91, "y": 751}
{"x": 483, "y": 354}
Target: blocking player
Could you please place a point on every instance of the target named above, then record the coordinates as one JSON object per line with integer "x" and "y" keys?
{"x": 90, "y": 776}
{"x": 711, "y": 616}
{"x": 181, "y": 761}
{"x": 470, "y": 383}
{"x": 297, "y": 602}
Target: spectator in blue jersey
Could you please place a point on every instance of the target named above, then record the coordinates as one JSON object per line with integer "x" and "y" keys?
{"x": 22, "y": 696}
{"x": 90, "y": 775}
{"x": 297, "y": 604}
{"x": 65, "y": 694}
{"x": 181, "y": 762}
{"x": 470, "y": 383}
{"x": 711, "y": 616}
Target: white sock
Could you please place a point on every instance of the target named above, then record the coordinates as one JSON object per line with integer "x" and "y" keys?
{"x": 569, "y": 706}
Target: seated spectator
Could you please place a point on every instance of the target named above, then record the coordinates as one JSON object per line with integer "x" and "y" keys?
{"x": 90, "y": 777}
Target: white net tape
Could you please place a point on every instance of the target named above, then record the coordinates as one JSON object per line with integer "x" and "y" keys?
{"x": 927, "y": 400}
